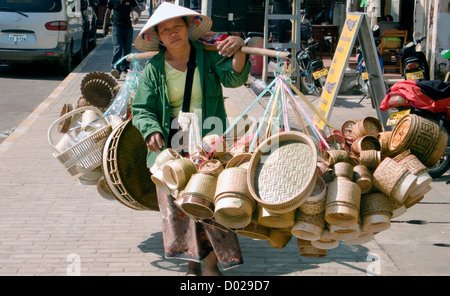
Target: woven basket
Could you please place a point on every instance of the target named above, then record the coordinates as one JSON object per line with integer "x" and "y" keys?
{"x": 343, "y": 169}
{"x": 364, "y": 237}
{"x": 343, "y": 202}
{"x": 85, "y": 155}
{"x": 214, "y": 145}
{"x": 163, "y": 157}
{"x": 196, "y": 205}
{"x": 239, "y": 160}
{"x": 370, "y": 158}
{"x": 332, "y": 157}
{"x": 279, "y": 237}
{"x": 384, "y": 138}
{"x": 365, "y": 143}
{"x": 325, "y": 242}
{"x": 394, "y": 180}
{"x": 345, "y": 233}
{"x": 282, "y": 171}
{"x": 211, "y": 167}
{"x": 125, "y": 170}
{"x": 306, "y": 249}
{"x": 315, "y": 203}
{"x": 233, "y": 180}
{"x": 347, "y": 129}
{"x": 308, "y": 227}
{"x": 369, "y": 126}
{"x": 233, "y": 210}
{"x": 275, "y": 220}
{"x": 362, "y": 177}
{"x": 99, "y": 89}
{"x": 422, "y": 136}
{"x": 417, "y": 168}
{"x": 177, "y": 172}
{"x": 376, "y": 212}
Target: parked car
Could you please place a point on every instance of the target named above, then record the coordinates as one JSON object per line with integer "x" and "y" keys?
{"x": 41, "y": 30}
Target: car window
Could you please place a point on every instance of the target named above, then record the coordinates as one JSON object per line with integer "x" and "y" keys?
{"x": 31, "y": 5}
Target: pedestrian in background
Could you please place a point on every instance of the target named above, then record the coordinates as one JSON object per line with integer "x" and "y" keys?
{"x": 125, "y": 14}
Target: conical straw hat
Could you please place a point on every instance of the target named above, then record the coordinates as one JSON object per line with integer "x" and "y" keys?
{"x": 147, "y": 40}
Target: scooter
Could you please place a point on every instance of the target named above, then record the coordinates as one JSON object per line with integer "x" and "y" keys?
{"x": 313, "y": 73}
{"x": 432, "y": 103}
{"x": 414, "y": 63}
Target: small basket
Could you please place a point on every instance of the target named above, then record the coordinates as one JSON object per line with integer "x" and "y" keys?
{"x": 362, "y": 177}
{"x": 370, "y": 158}
{"x": 279, "y": 237}
{"x": 376, "y": 212}
{"x": 365, "y": 143}
{"x": 275, "y": 220}
{"x": 315, "y": 203}
{"x": 369, "y": 126}
{"x": 325, "y": 242}
{"x": 283, "y": 171}
{"x": 99, "y": 89}
{"x": 343, "y": 202}
{"x": 347, "y": 129}
{"x": 345, "y": 233}
{"x": 332, "y": 157}
{"x": 85, "y": 155}
{"x": 254, "y": 230}
{"x": 306, "y": 249}
{"x": 308, "y": 227}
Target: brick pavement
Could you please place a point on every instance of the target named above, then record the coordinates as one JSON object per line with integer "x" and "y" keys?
{"x": 49, "y": 222}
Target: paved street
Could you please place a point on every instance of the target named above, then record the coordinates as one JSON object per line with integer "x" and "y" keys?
{"x": 50, "y": 224}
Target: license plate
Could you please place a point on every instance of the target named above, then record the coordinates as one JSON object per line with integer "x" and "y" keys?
{"x": 414, "y": 75}
{"x": 321, "y": 73}
{"x": 365, "y": 76}
{"x": 396, "y": 116}
{"x": 18, "y": 38}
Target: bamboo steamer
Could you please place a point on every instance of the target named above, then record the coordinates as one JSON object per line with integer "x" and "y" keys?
{"x": 369, "y": 126}
{"x": 275, "y": 220}
{"x": 370, "y": 158}
{"x": 198, "y": 196}
{"x": 283, "y": 171}
{"x": 315, "y": 203}
{"x": 233, "y": 180}
{"x": 343, "y": 202}
{"x": 343, "y": 169}
{"x": 347, "y": 129}
{"x": 384, "y": 138}
{"x": 376, "y": 212}
{"x": 306, "y": 249}
{"x": 394, "y": 180}
{"x": 214, "y": 145}
{"x": 279, "y": 237}
{"x": 233, "y": 210}
{"x": 308, "y": 227}
{"x": 332, "y": 157}
{"x": 362, "y": 177}
{"x": 212, "y": 167}
{"x": 420, "y": 135}
{"x": 365, "y": 143}
{"x": 345, "y": 233}
{"x": 398, "y": 208}
{"x": 177, "y": 172}
{"x": 325, "y": 242}
{"x": 416, "y": 167}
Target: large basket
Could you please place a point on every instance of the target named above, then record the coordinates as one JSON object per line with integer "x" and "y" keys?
{"x": 283, "y": 171}
{"x": 85, "y": 155}
{"x": 99, "y": 89}
{"x": 125, "y": 169}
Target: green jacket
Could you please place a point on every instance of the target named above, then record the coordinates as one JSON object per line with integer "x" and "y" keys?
{"x": 151, "y": 105}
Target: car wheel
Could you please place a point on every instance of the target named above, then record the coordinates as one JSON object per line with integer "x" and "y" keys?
{"x": 66, "y": 65}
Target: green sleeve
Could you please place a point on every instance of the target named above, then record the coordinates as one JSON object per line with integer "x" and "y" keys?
{"x": 145, "y": 104}
{"x": 229, "y": 77}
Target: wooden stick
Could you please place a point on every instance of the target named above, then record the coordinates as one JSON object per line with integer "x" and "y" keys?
{"x": 248, "y": 50}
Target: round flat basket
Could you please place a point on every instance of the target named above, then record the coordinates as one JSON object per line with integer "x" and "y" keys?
{"x": 282, "y": 171}
{"x": 99, "y": 89}
{"x": 125, "y": 169}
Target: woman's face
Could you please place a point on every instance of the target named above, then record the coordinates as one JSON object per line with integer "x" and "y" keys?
{"x": 174, "y": 33}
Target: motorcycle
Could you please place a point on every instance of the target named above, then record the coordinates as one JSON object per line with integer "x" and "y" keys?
{"x": 363, "y": 77}
{"x": 414, "y": 63}
{"x": 313, "y": 73}
{"x": 428, "y": 99}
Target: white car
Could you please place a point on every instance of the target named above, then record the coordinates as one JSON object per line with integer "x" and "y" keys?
{"x": 41, "y": 30}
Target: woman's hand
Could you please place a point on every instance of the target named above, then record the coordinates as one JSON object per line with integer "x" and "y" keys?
{"x": 230, "y": 45}
{"x": 155, "y": 141}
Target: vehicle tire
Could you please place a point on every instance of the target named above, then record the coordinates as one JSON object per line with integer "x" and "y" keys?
{"x": 440, "y": 168}
{"x": 65, "y": 67}
{"x": 310, "y": 87}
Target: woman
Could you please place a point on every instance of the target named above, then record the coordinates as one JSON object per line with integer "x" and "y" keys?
{"x": 173, "y": 30}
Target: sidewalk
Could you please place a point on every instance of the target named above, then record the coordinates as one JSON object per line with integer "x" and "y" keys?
{"x": 50, "y": 224}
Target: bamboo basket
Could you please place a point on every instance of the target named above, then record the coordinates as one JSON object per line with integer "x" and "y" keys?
{"x": 315, "y": 203}
{"x": 283, "y": 171}
{"x": 306, "y": 249}
{"x": 376, "y": 212}
{"x": 369, "y": 126}
{"x": 343, "y": 202}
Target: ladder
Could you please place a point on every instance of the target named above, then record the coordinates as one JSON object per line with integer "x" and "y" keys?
{"x": 295, "y": 42}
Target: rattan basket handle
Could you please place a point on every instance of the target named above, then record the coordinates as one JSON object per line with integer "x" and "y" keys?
{"x": 67, "y": 115}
